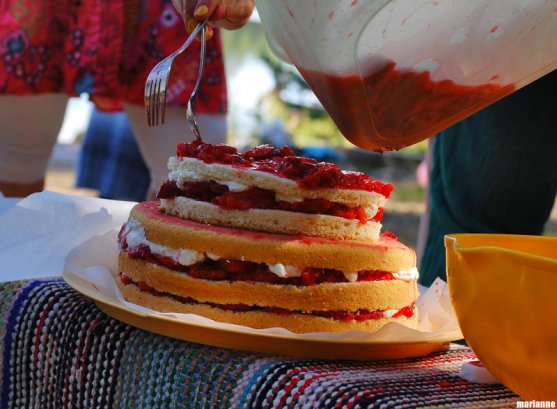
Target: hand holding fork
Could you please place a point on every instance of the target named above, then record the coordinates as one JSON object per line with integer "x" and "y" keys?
{"x": 229, "y": 14}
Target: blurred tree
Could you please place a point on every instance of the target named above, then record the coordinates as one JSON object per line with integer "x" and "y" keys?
{"x": 291, "y": 101}
{"x": 295, "y": 104}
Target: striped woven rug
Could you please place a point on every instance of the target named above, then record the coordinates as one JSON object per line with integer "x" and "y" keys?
{"x": 58, "y": 350}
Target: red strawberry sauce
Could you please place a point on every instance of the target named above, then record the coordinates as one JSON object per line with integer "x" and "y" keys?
{"x": 341, "y": 315}
{"x": 390, "y": 108}
{"x": 306, "y": 172}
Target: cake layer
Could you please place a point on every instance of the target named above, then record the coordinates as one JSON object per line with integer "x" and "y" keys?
{"x": 295, "y": 322}
{"x": 386, "y": 254}
{"x": 208, "y": 266}
{"x": 273, "y": 221}
{"x": 233, "y": 198}
{"x": 370, "y": 295}
{"x": 185, "y": 169}
{"x": 306, "y": 172}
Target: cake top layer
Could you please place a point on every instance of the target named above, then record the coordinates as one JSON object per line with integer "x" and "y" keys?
{"x": 306, "y": 172}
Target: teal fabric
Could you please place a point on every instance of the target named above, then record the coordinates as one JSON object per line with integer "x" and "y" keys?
{"x": 494, "y": 172}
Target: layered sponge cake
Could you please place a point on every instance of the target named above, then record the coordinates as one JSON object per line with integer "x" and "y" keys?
{"x": 267, "y": 239}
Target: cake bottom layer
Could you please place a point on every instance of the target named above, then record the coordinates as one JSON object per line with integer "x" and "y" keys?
{"x": 292, "y": 321}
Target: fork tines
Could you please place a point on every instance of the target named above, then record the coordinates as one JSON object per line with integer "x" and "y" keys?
{"x": 156, "y": 100}
{"x": 155, "y": 85}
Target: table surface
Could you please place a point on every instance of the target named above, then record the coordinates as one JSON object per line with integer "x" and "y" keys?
{"x": 58, "y": 350}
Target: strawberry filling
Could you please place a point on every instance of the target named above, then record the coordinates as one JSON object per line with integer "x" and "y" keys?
{"x": 238, "y": 270}
{"x": 306, "y": 172}
{"x": 340, "y": 315}
{"x": 256, "y": 198}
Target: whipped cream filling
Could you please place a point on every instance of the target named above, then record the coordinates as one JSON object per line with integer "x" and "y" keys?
{"x": 389, "y": 313}
{"x": 181, "y": 176}
{"x": 407, "y": 275}
{"x": 285, "y": 271}
{"x": 135, "y": 237}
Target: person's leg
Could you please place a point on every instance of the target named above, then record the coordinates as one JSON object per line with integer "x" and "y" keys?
{"x": 110, "y": 161}
{"x": 158, "y": 143}
{"x": 495, "y": 172}
{"x": 29, "y": 126}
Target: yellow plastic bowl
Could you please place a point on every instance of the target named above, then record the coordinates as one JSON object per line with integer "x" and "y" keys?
{"x": 504, "y": 291}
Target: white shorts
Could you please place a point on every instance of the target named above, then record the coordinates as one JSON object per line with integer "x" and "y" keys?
{"x": 29, "y": 127}
{"x": 158, "y": 143}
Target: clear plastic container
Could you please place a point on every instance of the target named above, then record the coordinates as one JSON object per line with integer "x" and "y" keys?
{"x": 391, "y": 73}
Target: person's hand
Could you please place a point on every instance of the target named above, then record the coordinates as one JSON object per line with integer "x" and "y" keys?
{"x": 228, "y": 14}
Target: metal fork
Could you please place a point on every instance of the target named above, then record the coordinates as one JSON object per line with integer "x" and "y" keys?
{"x": 190, "y": 116}
{"x": 157, "y": 80}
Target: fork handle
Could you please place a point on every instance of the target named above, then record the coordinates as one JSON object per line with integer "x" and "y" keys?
{"x": 194, "y": 33}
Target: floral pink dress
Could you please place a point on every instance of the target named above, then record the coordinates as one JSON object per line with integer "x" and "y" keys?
{"x": 105, "y": 48}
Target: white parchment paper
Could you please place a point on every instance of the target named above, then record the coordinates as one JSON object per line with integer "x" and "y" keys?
{"x": 38, "y": 232}
{"x": 96, "y": 261}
